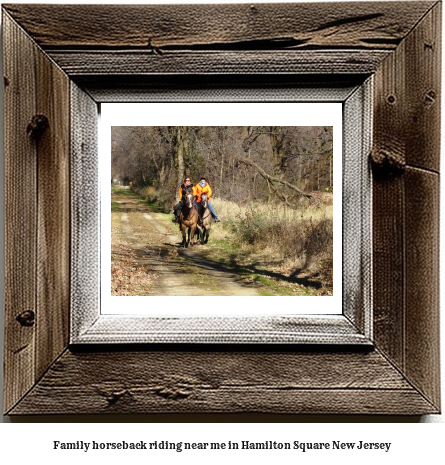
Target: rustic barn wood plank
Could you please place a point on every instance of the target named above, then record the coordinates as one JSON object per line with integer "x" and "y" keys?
{"x": 371, "y": 25}
{"x": 20, "y": 213}
{"x": 423, "y": 92}
{"x": 388, "y": 201}
{"x": 407, "y": 132}
{"x": 53, "y": 237}
{"x": 78, "y": 62}
{"x": 422, "y": 281}
{"x": 399, "y": 377}
{"x": 198, "y": 382}
{"x": 388, "y": 268}
{"x": 253, "y": 400}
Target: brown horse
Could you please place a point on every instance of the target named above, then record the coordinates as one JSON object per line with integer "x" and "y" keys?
{"x": 206, "y": 215}
{"x": 188, "y": 219}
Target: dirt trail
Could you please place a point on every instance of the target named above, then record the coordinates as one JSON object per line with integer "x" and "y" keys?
{"x": 180, "y": 272}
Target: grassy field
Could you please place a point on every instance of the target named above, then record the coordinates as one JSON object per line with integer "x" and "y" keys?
{"x": 281, "y": 250}
{"x": 293, "y": 243}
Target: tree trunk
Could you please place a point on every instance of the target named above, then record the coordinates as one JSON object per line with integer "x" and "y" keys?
{"x": 180, "y": 148}
{"x": 278, "y": 153}
{"x": 246, "y": 132}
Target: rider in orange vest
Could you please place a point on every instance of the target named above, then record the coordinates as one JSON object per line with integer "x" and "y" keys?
{"x": 203, "y": 187}
{"x": 187, "y": 186}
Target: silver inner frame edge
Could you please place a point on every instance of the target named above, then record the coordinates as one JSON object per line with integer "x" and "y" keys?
{"x": 354, "y": 326}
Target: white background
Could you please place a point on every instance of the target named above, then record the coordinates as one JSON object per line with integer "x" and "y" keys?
{"x": 219, "y": 114}
{"x": 412, "y": 443}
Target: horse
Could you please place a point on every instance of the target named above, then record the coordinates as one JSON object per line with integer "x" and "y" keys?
{"x": 188, "y": 219}
{"x": 206, "y": 215}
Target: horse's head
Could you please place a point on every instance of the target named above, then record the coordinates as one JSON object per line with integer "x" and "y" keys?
{"x": 189, "y": 197}
{"x": 204, "y": 200}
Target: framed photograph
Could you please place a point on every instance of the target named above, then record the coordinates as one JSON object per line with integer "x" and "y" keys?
{"x": 91, "y": 292}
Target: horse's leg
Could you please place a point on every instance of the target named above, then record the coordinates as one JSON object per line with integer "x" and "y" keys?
{"x": 208, "y": 226}
{"x": 192, "y": 234}
{"x": 183, "y": 235}
{"x": 199, "y": 232}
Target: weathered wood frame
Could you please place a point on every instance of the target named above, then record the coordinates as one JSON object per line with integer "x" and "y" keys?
{"x": 98, "y": 51}
{"x": 90, "y": 323}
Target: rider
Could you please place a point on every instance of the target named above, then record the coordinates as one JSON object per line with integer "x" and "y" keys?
{"x": 203, "y": 187}
{"x": 187, "y": 186}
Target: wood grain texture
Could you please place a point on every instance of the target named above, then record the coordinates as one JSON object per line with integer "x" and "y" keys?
{"x": 37, "y": 216}
{"x": 388, "y": 268}
{"x": 20, "y": 212}
{"x": 153, "y": 27}
{"x": 406, "y": 206}
{"x": 357, "y": 209}
{"x": 408, "y": 97}
{"x": 423, "y": 92}
{"x": 53, "y": 198}
{"x": 422, "y": 281}
{"x": 109, "y": 329}
{"x": 122, "y": 63}
{"x": 388, "y": 201}
{"x": 400, "y": 376}
{"x": 217, "y": 87}
{"x": 218, "y": 381}
{"x": 85, "y": 211}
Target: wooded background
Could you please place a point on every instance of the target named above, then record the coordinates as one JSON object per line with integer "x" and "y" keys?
{"x": 161, "y": 156}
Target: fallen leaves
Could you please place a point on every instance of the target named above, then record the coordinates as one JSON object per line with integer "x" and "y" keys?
{"x": 128, "y": 277}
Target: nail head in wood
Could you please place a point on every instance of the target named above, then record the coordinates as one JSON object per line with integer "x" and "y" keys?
{"x": 26, "y": 318}
{"x": 37, "y": 126}
{"x": 430, "y": 97}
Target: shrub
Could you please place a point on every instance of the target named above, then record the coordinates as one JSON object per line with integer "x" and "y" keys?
{"x": 301, "y": 238}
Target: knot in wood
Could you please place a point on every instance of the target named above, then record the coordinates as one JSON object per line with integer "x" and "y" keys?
{"x": 37, "y": 126}
{"x": 26, "y": 318}
{"x": 115, "y": 396}
{"x": 172, "y": 393}
{"x": 387, "y": 162}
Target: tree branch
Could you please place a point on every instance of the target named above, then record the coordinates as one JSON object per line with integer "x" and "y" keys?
{"x": 268, "y": 177}
{"x": 279, "y": 194}
{"x": 293, "y": 155}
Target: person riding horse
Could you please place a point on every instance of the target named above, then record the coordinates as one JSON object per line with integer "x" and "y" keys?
{"x": 187, "y": 186}
{"x": 203, "y": 187}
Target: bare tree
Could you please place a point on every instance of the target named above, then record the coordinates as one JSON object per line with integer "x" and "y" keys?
{"x": 279, "y": 157}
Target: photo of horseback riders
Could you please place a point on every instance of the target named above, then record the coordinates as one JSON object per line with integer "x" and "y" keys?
{"x": 222, "y": 210}
{"x": 194, "y": 210}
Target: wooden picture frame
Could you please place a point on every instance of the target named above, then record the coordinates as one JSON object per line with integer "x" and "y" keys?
{"x": 60, "y": 67}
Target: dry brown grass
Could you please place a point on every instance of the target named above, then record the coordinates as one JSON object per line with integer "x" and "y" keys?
{"x": 296, "y": 240}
